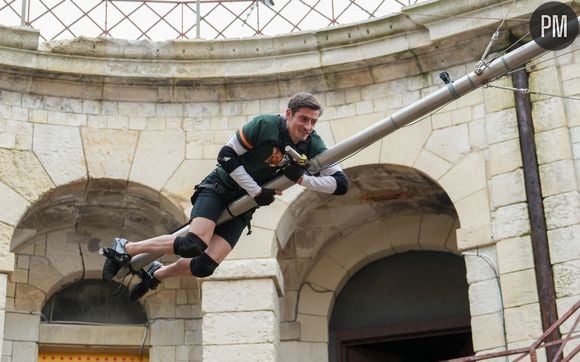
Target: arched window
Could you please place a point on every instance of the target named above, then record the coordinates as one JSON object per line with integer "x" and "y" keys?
{"x": 91, "y": 301}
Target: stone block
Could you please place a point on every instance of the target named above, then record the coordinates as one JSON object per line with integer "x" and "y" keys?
{"x": 303, "y": 351}
{"x": 18, "y": 205}
{"x": 487, "y": 331}
{"x": 60, "y": 150}
{"x": 289, "y": 331}
{"x": 240, "y": 328}
{"x": 24, "y": 351}
{"x": 546, "y": 79}
{"x": 327, "y": 274}
{"x": 431, "y": 164}
{"x": 239, "y": 295}
{"x": 564, "y": 244}
{"x": 510, "y": 221}
{"x": 477, "y": 134}
{"x": 567, "y": 278}
{"x": 515, "y": 254}
{"x": 473, "y": 237}
{"x": 553, "y": 145}
{"x": 435, "y": 231}
{"x": 250, "y": 269}
{"x": 162, "y": 353}
{"x": 167, "y": 332}
{"x": 501, "y": 126}
{"x": 313, "y": 328}
{"x": 260, "y": 243}
{"x": 450, "y": 143}
{"x": 523, "y": 323}
{"x": 473, "y": 210}
{"x": 44, "y": 275}
{"x": 548, "y": 114}
{"x": 466, "y": 177}
{"x": 21, "y": 326}
{"x": 441, "y": 120}
{"x": 186, "y": 176}
{"x": 262, "y": 352}
{"x": 404, "y": 146}
{"x": 147, "y": 156}
{"x": 557, "y": 177}
{"x": 562, "y": 210}
{"x": 484, "y": 297}
{"x": 23, "y": 172}
{"x": 28, "y": 298}
{"x": 314, "y": 302}
{"x": 109, "y": 152}
{"x": 519, "y": 288}
{"x": 477, "y": 264}
{"x": 507, "y": 188}
{"x": 403, "y": 232}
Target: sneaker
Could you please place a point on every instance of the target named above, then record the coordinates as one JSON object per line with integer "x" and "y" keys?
{"x": 117, "y": 258}
{"x": 148, "y": 281}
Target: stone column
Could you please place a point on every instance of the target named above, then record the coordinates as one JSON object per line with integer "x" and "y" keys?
{"x": 240, "y": 311}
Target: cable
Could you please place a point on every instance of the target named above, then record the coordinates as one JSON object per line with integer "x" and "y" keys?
{"x": 527, "y": 90}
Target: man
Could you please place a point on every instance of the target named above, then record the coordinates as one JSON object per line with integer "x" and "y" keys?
{"x": 254, "y": 156}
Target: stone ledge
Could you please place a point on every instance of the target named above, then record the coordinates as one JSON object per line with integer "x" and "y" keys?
{"x": 93, "y": 335}
{"x": 250, "y": 269}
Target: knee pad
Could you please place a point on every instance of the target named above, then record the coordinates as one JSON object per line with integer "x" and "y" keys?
{"x": 188, "y": 246}
{"x": 203, "y": 266}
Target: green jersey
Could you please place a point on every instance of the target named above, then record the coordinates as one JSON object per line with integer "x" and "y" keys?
{"x": 264, "y": 138}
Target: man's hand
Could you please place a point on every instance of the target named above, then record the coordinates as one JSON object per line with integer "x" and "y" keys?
{"x": 266, "y": 196}
{"x": 294, "y": 172}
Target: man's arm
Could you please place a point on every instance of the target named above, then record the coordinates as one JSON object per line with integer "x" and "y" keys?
{"x": 229, "y": 159}
{"x": 332, "y": 180}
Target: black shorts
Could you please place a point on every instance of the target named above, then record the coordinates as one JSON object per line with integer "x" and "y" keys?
{"x": 210, "y": 203}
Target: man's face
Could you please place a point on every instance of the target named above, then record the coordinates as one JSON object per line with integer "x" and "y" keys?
{"x": 301, "y": 124}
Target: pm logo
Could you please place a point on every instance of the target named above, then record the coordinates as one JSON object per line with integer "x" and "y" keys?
{"x": 554, "y": 25}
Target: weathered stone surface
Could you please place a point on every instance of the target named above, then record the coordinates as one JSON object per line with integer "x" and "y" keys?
{"x": 303, "y": 351}
{"x": 466, "y": 177}
{"x": 484, "y": 297}
{"x": 60, "y": 151}
{"x": 523, "y": 323}
{"x": 567, "y": 278}
{"x": 187, "y": 175}
{"x": 515, "y": 254}
{"x": 476, "y": 262}
{"x": 553, "y": 145}
{"x": 24, "y": 351}
{"x": 43, "y": 275}
{"x": 548, "y": 114}
{"x": 507, "y": 188}
{"x": 21, "y": 326}
{"x": 239, "y": 295}
{"x": 28, "y": 298}
{"x": 167, "y": 332}
{"x": 64, "y": 254}
{"x": 22, "y": 171}
{"x": 519, "y": 288}
{"x": 411, "y": 138}
{"x": 439, "y": 144}
{"x": 18, "y": 205}
{"x": 431, "y": 164}
{"x": 262, "y": 352}
{"x": 562, "y": 210}
{"x": 240, "y": 328}
{"x": 488, "y": 331}
{"x": 557, "y": 177}
{"x": 504, "y": 157}
{"x": 564, "y": 244}
{"x": 313, "y": 328}
{"x": 501, "y": 126}
{"x": 157, "y": 157}
{"x": 510, "y": 221}
{"x": 109, "y": 153}
{"x": 6, "y": 257}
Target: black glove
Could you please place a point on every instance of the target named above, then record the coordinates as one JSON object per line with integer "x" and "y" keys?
{"x": 294, "y": 172}
{"x": 266, "y": 197}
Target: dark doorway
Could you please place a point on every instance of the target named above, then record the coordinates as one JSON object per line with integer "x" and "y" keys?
{"x": 410, "y": 307}
{"x": 421, "y": 347}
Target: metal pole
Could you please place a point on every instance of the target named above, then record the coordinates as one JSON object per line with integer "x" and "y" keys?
{"x": 379, "y": 130}
{"x": 23, "y": 14}
{"x": 197, "y": 19}
{"x": 538, "y": 228}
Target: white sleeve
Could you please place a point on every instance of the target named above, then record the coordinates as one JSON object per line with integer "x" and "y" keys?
{"x": 323, "y": 183}
{"x": 240, "y": 175}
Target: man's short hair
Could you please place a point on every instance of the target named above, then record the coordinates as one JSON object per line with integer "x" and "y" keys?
{"x": 301, "y": 100}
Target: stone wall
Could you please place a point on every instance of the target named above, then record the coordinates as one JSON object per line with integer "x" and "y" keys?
{"x": 155, "y": 115}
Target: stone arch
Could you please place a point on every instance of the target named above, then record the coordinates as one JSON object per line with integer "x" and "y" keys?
{"x": 334, "y": 237}
{"x": 57, "y": 240}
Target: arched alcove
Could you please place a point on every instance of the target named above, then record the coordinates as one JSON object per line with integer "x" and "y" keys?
{"x": 92, "y": 301}
{"x": 412, "y": 306}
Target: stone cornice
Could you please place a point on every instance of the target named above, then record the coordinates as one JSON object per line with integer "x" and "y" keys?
{"x": 254, "y": 57}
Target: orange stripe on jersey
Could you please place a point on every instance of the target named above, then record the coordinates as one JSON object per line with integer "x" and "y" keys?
{"x": 247, "y": 144}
